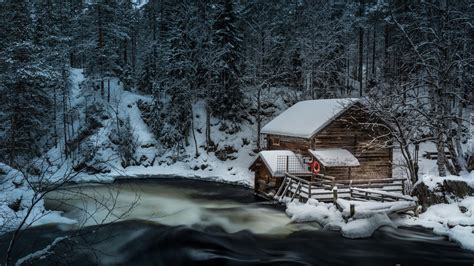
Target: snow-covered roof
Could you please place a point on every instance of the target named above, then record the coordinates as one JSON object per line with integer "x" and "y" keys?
{"x": 306, "y": 118}
{"x": 335, "y": 157}
{"x": 270, "y": 158}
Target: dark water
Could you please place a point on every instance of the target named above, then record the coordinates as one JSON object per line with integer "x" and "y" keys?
{"x": 140, "y": 242}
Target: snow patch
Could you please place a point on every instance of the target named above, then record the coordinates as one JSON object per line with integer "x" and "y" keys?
{"x": 329, "y": 217}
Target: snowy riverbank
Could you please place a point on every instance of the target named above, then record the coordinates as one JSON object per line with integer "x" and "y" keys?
{"x": 454, "y": 220}
{"x": 20, "y": 205}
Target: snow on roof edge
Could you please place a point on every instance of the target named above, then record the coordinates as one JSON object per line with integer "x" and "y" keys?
{"x": 335, "y": 157}
{"x": 270, "y": 159}
{"x": 347, "y": 104}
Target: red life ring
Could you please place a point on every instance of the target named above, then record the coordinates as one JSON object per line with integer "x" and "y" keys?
{"x": 315, "y": 167}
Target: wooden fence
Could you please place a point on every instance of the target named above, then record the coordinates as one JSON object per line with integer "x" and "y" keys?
{"x": 327, "y": 189}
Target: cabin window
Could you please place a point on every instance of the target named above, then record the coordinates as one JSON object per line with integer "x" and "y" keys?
{"x": 276, "y": 141}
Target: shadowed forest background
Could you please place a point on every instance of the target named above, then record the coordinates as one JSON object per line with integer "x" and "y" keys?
{"x": 411, "y": 60}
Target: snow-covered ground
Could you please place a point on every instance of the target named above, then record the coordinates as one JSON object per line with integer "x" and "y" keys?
{"x": 154, "y": 160}
{"x": 454, "y": 220}
{"x": 207, "y": 165}
{"x": 19, "y": 201}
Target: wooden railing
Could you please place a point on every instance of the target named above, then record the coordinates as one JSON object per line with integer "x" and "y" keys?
{"x": 387, "y": 184}
{"x": 326, "y": 188}
{"x": 369, "y": 194}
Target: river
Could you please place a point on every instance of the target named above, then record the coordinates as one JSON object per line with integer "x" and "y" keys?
{"x": 191, "y": 222}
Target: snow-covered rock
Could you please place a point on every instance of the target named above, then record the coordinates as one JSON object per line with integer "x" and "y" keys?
{"x": 329, "y": 217}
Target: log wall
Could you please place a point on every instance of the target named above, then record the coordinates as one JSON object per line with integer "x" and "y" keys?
{"x": 264, "y": 182}
{"x": 347, "y": 132}
{"x": 298, "y": 145}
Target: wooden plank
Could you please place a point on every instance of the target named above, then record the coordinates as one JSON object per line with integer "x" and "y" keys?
{"x": 285, "y": 190}
{"x": 281, "y": 187}
{"x": 296, "y": 191}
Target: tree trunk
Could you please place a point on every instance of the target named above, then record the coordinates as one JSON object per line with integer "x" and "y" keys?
{"x": 71, "y": 121}
{"x": 367, "y": 59}
{"x": 66, "y": 150}
{"x": 209, "y": 142}
{"x": 386, "y": 65}
{"x": 125, "y": 52}
{"x": 457, "y": 139}
{"x": 361, "y": 60}
{"x": 441, "y": 161}
{"x": 134, "y": 48}
{"x": 102, "y": 89}
{"x": 55, "y": 114}
{"x": 259, "y": 118}
{"x": 373, "y": 50}
{"x": 457, "y": 168}
{"x": 194, "y": 134}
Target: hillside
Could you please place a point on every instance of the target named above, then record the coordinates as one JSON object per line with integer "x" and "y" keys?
{"x": 228, "y": 162}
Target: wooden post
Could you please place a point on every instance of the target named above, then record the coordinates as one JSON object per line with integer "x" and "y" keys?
{"x": 309, "y": 191}
{"x": 403, "y": 187}
{"x": 334, "y": 194}
{"x": 296, "y": 191}
{"x": 286, "y": 188}
{"x": 287, "y": 160}
{"x": 352, "y": 210}
{"x": 281, "y": 187}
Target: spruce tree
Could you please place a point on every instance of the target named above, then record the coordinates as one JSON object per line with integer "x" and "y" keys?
{"x": 25, "y": 100}
{"x": 226, "y": 95}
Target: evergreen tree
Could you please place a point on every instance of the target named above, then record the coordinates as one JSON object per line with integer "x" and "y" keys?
{"x": 25, "y": 101}
{"x": 226, "y": 95}
{"x": 180, "y": 77}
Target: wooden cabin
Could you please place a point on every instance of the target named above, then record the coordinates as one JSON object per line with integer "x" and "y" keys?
{"x": 338, "y": 133}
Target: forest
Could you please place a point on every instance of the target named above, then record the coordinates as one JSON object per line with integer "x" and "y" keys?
{"x": 411, "y": 61}
{"x": 132, "y": 132}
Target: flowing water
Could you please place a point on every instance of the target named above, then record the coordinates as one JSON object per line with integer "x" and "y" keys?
{"x": 190, "y": 222}
{"x": 173, "y": 202}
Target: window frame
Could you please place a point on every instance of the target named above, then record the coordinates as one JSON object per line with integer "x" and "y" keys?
{"x": 275, "y": 141}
